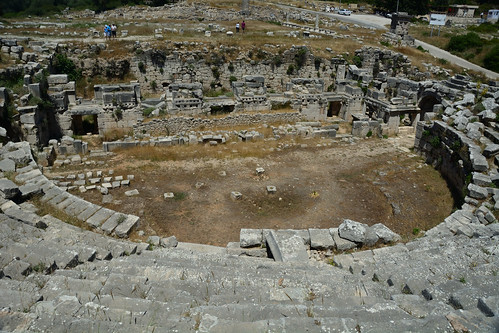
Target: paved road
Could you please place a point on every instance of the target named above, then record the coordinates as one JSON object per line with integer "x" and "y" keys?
{"x": 379, "y": 22}
{"x": 439, "y": 53}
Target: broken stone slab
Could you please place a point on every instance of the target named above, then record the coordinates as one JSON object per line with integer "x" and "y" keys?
{"x": 124, "y": 229}
{"x": 477, "y": 192}
{"x": 481, "y": 180}
{"x": 17, "y": 269}
{"x": 250, "y": 237}
{"x": 168, "y": 195}
{"x": 94, "y": 181}
{"x": 117, "y": 184}
{"x": 489, "y": 151}
{"x": 29, "y": 190}
{"x": 479, "y": 162}
{"x": 79, "y": 182}
{"x": 153, "y": 240}
{"x": 8, "y": 189}
{"x": 271, "y": 189}
{"x": 260, "y": 171}
{"x": 131, "y": 193}
{"x": 89, "y": 211}
{"x": 26, "y": 217}
{"x": 320, "y": 239}
{"x": 353, "y": 231}
{"x": 125, "y": 182}
{"x": 99, "y": 217}
{"x": 234, "y": 195}
{"x": 385, "y": 234}
{"x": 168, "y": 242}
{"x": 234, "y": 249}
{"x": 20, "y": 156}
{"x": 112, "y": 222}
{"x": 285, "y": 248}
{"x": 341, "y": 243}
{"x": 24, "y": 177}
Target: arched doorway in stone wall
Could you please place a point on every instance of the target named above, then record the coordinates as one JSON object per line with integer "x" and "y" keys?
{"x": 427, "y": 101}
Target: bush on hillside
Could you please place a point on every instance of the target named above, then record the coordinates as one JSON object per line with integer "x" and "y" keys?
{"x": 491, "y": 60}
{"x": 464, "y": 42}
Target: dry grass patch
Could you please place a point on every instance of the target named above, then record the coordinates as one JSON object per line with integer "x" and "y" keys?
{"x": 44, "y": 208}
{"x": 230, "y": 150}
{"x": 116, "y": 134}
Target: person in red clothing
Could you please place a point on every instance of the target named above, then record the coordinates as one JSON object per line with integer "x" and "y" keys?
{"x": 243, "y": 25}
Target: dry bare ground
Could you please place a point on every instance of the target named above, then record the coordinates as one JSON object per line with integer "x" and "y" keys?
{"x": 371, "y": 181}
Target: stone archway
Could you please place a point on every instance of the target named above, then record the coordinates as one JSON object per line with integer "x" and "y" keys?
{"x": 427, "y": 100}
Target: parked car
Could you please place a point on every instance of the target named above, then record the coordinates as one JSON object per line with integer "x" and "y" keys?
{"x": 345, "y": 12}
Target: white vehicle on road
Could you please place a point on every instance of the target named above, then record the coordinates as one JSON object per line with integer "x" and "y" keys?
{"x": 344, "y": 12}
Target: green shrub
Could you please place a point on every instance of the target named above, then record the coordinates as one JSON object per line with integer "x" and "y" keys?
{"x": 486, "y": 28}
{"x": 232, "y": 78}
{"x": 435, "y": 142}
{"x": 464, "y": 42}
{"x": 177, "y": 196}
{"x": 230, "y": 67}
{"x": 420, "y": 48}
{"x": 277, "y": 61}
{"x": 142, "y": 67}
{"x": 291, "y": 69}
{"x": 147, "y": 112}
{"x": 301, "y": 57}
{"x": 491, "y": 60}
{"x": 61, "y": 64}
{"x": 357, "y": 61}
{"x": 369, "y": 134}
{"x": 215, "y": 72}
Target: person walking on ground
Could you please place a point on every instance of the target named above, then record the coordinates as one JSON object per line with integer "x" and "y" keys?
{"x": 113, "y": 30}
{"x": 107, "y": 31}
{"x": 237, "y": 27}
{"x": 243, "y": 25}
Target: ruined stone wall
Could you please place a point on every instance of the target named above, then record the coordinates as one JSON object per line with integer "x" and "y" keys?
{"x": 191, "y": 67}
{"x": 448, "y": 150}
{"x": 173, "y": 126}
{"x": 127, "y": 119}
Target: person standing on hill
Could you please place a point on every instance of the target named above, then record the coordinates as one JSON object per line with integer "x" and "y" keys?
{"x": 243, "y": 25}
{"x": 107, "y": 31}
{"x": 237, "y": 27}
{"x": 113, "y": 30}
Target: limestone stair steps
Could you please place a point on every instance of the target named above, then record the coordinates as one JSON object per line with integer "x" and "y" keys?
{"x": 94, "y": 215}
{"x": 26, "y": 248}
{"x": 435, "y": 271}
{"x": 237, "y": 309}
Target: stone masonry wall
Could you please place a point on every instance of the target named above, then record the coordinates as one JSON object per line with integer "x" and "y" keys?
{"x": 191, "y": 67}
{"x": 173, "y": 126}
{"x": 448, "y": 150}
